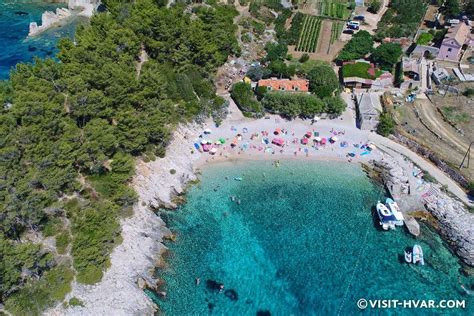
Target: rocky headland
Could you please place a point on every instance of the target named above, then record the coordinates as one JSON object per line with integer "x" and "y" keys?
{"x": 453, "y": 219}
{"x": 85, "y": 8}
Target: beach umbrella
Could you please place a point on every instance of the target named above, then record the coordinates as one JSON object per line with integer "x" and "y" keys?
{"x": 334, "y": 139}
{"x": 371, "y": 146}
{"x": 213, "y": 150}
{"x": 222, "y": 140}
{"x": 318, "y": 139}
{"x": 316, "y": 118}
{"x": 304, "y": 141}
{"x": 308, "y": 134}
{"x": 207, "y": 131}
{"x": 196, "y": 145}
{"x": 203, "y": 142}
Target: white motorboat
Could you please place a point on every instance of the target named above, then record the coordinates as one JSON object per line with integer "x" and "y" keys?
{"x": 415, "y": 256}
{"x": 395, "y": 209}
{"x": 387, "y": 219}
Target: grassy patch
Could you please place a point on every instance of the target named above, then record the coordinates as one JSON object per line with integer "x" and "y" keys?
{"x": 453, "y": 115}
{"x": 36, "y": 296}
{"x": 359, "y": 70}
{"x": 74, "y": 301}
{"x": 62, "y": 241}
{"x": 307, "y": 66}
{"x": 53, "y": 226}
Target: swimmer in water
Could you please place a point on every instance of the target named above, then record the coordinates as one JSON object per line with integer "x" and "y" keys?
{"x": 198, "y": 281}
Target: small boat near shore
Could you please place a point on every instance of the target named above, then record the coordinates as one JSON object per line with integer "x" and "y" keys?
{"x": 387, "y": 219}
{"x": 415, "y": 256}
{"x": 395, "y": 209}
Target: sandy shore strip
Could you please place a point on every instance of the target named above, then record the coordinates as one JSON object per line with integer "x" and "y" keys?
{"x": 158, "y": 182}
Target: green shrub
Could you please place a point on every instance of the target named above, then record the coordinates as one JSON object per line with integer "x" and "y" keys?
{"x": 469, "y": 92}
{"x": 243, "y": 96}
{"x": 172, "y": 171}
{"x": 386, "y": 124}
{"x": 36, "y": 296}
{"x": 62, "y": 241}
{"x": 428, "y": 177}
{"x": 374, "y": 6}
{"x": 52, "y": 227}
{"x": 304, "y": 58}
{"x": 74, "y": 301}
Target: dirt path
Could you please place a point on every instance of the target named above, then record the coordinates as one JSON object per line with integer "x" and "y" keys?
{"x": 143, "y": 58}
{"x": 429, "y": 114}
{"x": 324, "y": 38}
{"x": 371, "y": 19}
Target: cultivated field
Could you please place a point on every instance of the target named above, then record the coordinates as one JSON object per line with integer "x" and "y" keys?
{"x": 333, "y": 8}
{"x": 309, "y": 35}
{"x": 320, "y": 38}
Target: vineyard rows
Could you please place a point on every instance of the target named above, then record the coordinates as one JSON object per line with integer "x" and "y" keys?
{"x": 333, "y": 9}
{"x": 309, "y": 35}
{"x": 336, "y": 30}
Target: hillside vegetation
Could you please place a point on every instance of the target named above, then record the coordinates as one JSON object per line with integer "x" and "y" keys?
{"x": 70, "y": 130}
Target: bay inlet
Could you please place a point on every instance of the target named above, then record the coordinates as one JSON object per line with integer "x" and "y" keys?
{"x": 302, "y": 241}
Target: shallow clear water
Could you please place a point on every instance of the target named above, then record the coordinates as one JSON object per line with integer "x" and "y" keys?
{"x": 15, "y": 18}
{"x": 302, "y": 242}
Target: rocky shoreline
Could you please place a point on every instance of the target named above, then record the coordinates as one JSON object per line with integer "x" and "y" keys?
{"x": 133, "y": 262}
{"x": 454, "y": 221}
{"x": 159, "y": 182}
{"x": 50, "y": 19}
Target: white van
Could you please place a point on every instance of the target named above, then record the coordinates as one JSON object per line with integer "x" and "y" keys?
{"x": 353, "y": 23}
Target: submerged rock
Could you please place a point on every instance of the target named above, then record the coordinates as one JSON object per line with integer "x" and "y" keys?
{"x": 264, "y": 313}
{"x": 232, "y": 294}
{"x": 214, "y": 285}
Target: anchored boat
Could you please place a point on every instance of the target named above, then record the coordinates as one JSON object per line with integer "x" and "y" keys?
{"x": 387, "y": 219}
{"x": 415, "y": 256}
{"x": 393, "y": 207}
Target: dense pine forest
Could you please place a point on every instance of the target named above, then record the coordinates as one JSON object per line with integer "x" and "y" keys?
{"x": 71, "y": 128}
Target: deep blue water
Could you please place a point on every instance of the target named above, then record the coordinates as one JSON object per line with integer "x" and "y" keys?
{"x": 14, "y": 45}
{"x": 302, "y": 242}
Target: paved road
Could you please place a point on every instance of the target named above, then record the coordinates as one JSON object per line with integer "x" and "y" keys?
{"x": 439, "y": 175}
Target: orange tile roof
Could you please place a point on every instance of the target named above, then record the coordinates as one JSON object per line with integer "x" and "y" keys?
{"x": 300, "y": 85}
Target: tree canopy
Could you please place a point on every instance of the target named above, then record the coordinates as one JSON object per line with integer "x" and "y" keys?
{"x": 360, "y": 45}
{"x": 387, "y": 55}
{"x": 323, "y": 81}
{"x": 74, "y": 127}
{"x": 293, "y": 104}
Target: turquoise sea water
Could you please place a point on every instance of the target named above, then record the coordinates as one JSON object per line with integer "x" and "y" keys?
{"x": 15, "y": 18}
{"x": 302, "y": 241}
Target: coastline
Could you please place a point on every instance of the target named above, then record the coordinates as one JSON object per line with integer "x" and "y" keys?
{"x": 133, "y": 262}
